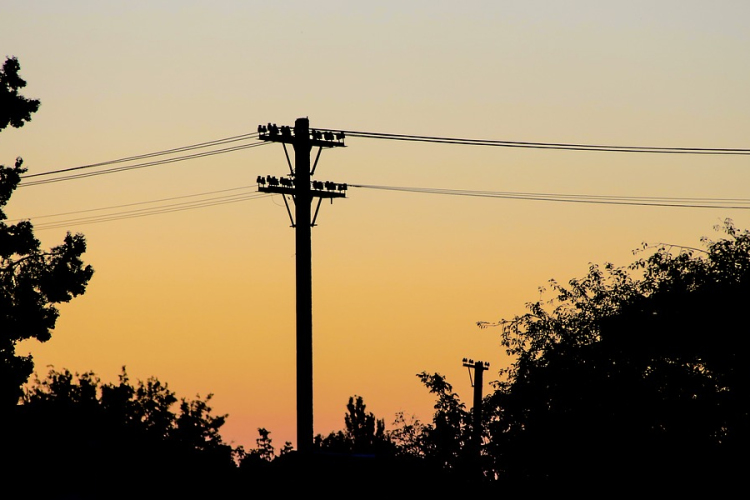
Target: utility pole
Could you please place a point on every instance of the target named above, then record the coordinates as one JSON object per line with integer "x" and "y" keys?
{"x": 479, "y": 367}
{"x": 299, "y": 187}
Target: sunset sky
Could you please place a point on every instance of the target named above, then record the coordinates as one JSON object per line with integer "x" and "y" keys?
{"x": 204, "y": 299}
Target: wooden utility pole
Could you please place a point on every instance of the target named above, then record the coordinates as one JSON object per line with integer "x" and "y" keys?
{"x": 301, "y": 190}
{"x": 479, "y": 368}
{"x": 303, "y": 246}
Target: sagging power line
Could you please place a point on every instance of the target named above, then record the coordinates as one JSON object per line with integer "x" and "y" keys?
{"x": 145, "y": 212}
{"x": 200, "y": 145}
{"x": 542, "y": 145}
{"x": 124, "y": 205}
{"x": 338, "y": 135}
{"x": 141, "y": 165}
{"x": 642, "y": 201}
{"x": 358, "y": 134}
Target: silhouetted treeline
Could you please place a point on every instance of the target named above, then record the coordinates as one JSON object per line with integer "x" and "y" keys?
{"x": 631, "y": 378}
{"x": 74, "y": 435}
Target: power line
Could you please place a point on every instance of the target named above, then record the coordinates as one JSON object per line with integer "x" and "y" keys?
{"x": 145, "y": 212}
{"x": 111, "y": 207}
{"x": 142, "y": 165}
{"x": 644, "y": 201}
{"x": 350, "y": 133}
{"x": 541, "y": 145}
{"x": 200, "y": 145}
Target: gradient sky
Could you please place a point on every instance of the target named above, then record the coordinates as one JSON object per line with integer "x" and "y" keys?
{"x": 204, "y": 299}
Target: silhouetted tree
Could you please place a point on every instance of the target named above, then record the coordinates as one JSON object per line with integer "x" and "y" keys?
{"x": 15, "y": 109}
{"x": 407, "y": 436}
{"x": 264, "y": 450}
{"x": 286, "y": 449}
{"x": 445, "y": 441}
{"x": 261, "y": 463}
{"x": 32, "y": 280}
{"x": 632, "y": 375}
{"x": 196, "y": 426}
{"x": 363, "y": 429}
{"x": 363, "y": 434}
{"x": 116, "y": 431}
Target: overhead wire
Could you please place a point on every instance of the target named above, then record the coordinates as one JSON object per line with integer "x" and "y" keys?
{"x": 349, "y": 133}
{"x": 644, "y": 201}
{"x": 143, "y": 165}
{"x": 540, "y": 145}
{"x": 215, "y": 142}
{"x": 717, "y": 203}
{"x": 137, "y": 203}
{"x": 144, "y": 212}
{"x": 741, "y": 204}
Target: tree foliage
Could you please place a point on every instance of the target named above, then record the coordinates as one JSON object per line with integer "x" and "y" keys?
{"x": 633, "y": 372}
{"x": 445, "y": 440}
{"x": 264, "y": 445}
{"x": 32, "y": 280}
{"x": 146, "y": 408}
{"x": 116, "y": 431}
{"x": 15, "y": 109}
{"x": 363, "y": 433}
{"x": 407, "y": 436}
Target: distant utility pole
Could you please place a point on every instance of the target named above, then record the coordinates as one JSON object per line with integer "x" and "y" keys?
{"x": 479, "y": 367}
{"x": 298, "y": 186}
